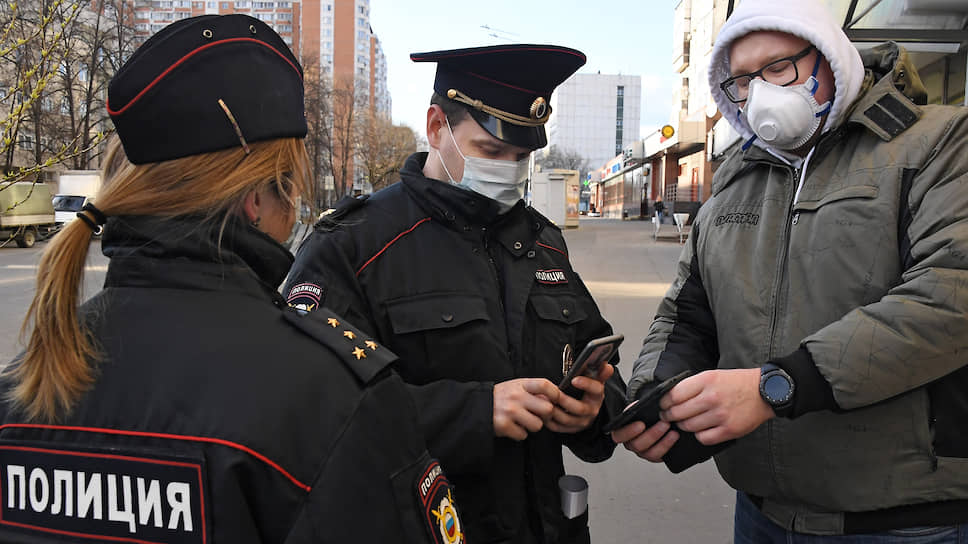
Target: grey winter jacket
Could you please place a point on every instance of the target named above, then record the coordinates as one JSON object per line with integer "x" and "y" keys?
{"x": 860, "y": 279}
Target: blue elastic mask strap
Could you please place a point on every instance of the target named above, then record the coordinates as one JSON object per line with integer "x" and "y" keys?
{"x": 813, "y": 74}
{"x": 826, "y": 110}
{"x": 749, "y": 143}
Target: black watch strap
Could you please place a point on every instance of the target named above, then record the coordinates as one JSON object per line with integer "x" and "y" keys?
{"x": 777, "y": 388}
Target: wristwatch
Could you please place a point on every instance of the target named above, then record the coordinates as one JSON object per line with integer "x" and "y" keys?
{"x": 776, "y": 388}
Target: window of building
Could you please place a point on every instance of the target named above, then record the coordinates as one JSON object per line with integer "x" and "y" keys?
{"x": 211, "y": 5}
{"x": 263, "y": 16}
{"x": 327, "y": 32}
{"x": 287, "y": 39}
{"x": 26, "y": 141}
{"x": 263, "y": 5}
{"x": 283, "y": 5}
{"x": 225, "y": 5}
{"x": 198, "y": 5}
{"x": 327, "y": 20}
{"x": 283, "y": 28}
{"x": 327, "y": 59}
{"x": 242, "y": 4}
{"x": 361, "y": 35}
{"x": 182, "y": 15}
{"x": 329, "y": 7}
{"x": 183, "y": 3}
{"x": 361, "y": 21}
{"x": 284, "y": 16}
{"x": 327, "y": 45}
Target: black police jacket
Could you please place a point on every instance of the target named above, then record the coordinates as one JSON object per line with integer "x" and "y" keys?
{"x": 221, "y": 416}
{"x": 467, "y": 298}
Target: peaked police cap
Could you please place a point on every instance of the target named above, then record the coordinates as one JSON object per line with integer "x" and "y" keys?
{"x": 205, "y": 84}
{"x": 506, "y": 88}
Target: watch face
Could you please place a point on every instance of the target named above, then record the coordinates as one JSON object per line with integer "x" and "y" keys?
{"x": 777, "y": 388}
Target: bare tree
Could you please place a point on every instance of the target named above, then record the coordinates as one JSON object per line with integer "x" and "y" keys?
{"x": 319, "y": 123}
{"x": 53, "y": 59}
{"x": 95, "y": 48}
{"x": 382, "y": 148}
{"x": 563, "y": 158}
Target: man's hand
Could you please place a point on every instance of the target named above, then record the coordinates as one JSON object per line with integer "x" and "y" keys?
{"x": 650, "y": 443}
{"x": 572, "y": 415}
{"x": 717, "y": 405}
{"x": 523, "y": 405}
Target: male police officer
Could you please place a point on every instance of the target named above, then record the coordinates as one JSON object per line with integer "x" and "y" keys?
{"x": 475, "y": 292}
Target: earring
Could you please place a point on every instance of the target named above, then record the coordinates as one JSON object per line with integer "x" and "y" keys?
{"x": 256, "y": 222}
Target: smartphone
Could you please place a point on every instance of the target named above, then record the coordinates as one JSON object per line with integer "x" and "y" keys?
{"x": 589, "y": 362}
{"x": 645, "y": 409}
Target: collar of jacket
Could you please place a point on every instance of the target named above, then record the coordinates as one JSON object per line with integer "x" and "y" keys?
{"x": 145, "y": 251}
{"x": 467, "y": 211}
{"x": 886, "y": 106}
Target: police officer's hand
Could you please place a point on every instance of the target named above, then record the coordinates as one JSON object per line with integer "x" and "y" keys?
{"x": 717, "y": 405}
{"x": 523, "y": 405}
{"x": 572, "y": 415}
{"x": 649, "y": 443}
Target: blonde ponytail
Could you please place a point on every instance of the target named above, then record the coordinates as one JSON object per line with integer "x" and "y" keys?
{"x": 57, "y": 366}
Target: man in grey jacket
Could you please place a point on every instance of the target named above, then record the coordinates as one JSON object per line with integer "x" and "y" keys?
{"x": 818, "y": 300}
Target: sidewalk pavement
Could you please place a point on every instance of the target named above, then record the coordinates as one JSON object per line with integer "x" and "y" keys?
{"x": 632, "y": 500}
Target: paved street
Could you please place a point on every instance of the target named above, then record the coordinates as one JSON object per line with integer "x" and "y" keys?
{"x": 632, "y": 501}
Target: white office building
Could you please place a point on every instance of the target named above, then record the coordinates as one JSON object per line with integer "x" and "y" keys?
{"x": 596, "y": 115}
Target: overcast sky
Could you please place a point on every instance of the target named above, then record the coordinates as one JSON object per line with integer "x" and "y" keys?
{"x": 618, "y": 37}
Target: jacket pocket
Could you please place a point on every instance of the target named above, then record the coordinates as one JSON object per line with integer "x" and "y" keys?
{"x": 856, "y": 191}
{"x": 432, "y": 333}
{"x": 435, "y": 311}
{"x": 555, "y": 327}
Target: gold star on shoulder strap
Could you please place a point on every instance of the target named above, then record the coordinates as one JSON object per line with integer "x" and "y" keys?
{"x": 349, "y": 334}
{"x": 333, "y": 322}
{"x": 371, "y": 344}
{"x": 359, "y": 353}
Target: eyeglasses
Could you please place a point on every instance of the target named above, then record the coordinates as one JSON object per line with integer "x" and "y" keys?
{"x": 780, "y": 72}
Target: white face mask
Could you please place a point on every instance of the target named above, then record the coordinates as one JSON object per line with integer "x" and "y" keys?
{"x": 503, "y": 181}
{"x": 784, "y": 117}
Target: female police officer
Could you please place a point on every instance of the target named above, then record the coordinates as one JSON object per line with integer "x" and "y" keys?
{"x": 186, "y": 402}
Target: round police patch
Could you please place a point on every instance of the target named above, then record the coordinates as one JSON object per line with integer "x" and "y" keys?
{"x": 305, "y": 297}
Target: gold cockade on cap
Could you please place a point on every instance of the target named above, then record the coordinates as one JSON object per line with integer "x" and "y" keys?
{"x": 540, "y": 110}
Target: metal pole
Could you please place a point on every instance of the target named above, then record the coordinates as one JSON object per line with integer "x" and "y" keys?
{"x": 965, "y": 101}
{"x": 864, "y": 13}
{"x": 944, "y": 83}
{"x": 850, "y": 13}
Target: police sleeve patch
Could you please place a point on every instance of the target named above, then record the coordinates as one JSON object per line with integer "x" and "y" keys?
{"x": 305, "y": 297}
{"x": 435, "y": 495}
{"x": 103, "y": 495}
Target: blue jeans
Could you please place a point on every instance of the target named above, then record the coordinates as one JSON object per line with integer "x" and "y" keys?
{"x": 752, "y": 527}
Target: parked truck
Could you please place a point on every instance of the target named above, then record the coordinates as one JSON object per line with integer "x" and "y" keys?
{"x": 26, "y": 213}
{"x": 75, "y": 188}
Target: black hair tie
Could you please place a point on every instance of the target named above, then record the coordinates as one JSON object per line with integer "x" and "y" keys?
{"x": 98, "y": 215}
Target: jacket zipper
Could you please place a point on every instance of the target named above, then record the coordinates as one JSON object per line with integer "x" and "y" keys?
{"x": 789, "y": 220}
{"x": 494, "y": 270}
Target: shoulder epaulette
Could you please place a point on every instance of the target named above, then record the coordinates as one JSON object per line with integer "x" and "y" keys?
{"x": 358, "y": 351}
{"x": 342, "y": 208}
{"x": 892, "y": 116}
{"x": 540, "y": 217}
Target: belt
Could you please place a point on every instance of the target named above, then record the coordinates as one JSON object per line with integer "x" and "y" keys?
{"x": 927, "y": 514}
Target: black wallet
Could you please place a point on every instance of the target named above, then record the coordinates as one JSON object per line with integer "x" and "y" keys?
{"x": 687, "y": 451}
